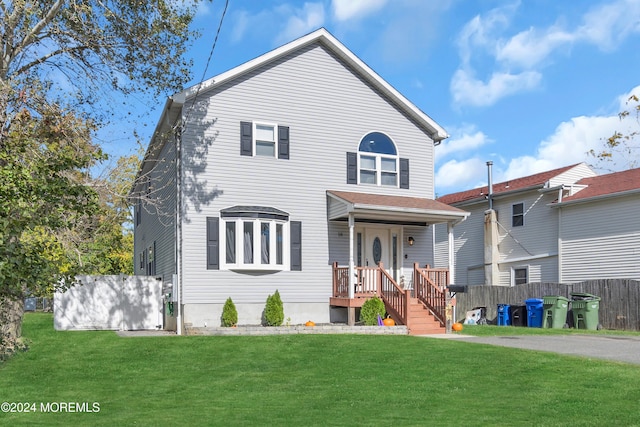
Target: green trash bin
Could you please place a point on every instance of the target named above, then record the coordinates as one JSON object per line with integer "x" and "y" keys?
{"x": 585, "y": 308}
{"x": 555, "y": 312}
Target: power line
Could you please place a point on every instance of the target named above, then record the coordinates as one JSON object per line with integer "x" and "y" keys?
{"x": 206, "y": 68}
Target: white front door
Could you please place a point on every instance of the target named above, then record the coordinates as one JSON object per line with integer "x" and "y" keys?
{"x": 379, "y": 244}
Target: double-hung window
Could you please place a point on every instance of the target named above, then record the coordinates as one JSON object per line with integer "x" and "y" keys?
{"x": 265, "y": 139}
{"x": 520, "y": 276}
{"x": 378, "y": 160}
{"x": 517, "y": 215}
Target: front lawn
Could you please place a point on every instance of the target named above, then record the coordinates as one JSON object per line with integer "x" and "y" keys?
{"x": 302, "y": 380}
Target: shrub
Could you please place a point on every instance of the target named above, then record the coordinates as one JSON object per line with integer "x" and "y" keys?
{"x": 274, "y": 310}
{"x": 229, "y": 313}
{"x": 371, "y": 309}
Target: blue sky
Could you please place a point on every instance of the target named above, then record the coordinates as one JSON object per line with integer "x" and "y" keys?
{"x": 530, "y": 85}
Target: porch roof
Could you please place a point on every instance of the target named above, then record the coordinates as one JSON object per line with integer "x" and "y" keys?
{"x": 390, "y": 209}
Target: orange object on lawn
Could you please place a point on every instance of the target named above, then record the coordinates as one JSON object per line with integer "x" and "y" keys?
{"x": 457, "y": 327}
{"x": 389, "y": 322}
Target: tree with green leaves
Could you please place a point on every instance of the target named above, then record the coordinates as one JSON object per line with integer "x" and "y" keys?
{"x": 65, "y": 68}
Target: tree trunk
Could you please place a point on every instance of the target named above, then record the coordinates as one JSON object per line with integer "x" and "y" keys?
{"x": 11, "y": 313}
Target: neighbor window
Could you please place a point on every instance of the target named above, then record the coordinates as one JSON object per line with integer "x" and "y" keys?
{"x": 520, "y": 276}
{"x": 378, "y": 160}
{"x": 517, "y": 215}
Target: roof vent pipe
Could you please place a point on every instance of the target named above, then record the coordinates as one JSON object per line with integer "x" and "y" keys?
{"x": 490, "y": 178}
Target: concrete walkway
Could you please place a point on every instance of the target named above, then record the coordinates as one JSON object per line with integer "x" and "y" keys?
{"x": 620, "y": 348}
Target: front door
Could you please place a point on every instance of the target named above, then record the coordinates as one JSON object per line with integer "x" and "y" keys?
{"x": 379, "y": 244}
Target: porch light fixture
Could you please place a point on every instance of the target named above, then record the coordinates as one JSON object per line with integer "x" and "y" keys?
{"x": 410, "y": 240}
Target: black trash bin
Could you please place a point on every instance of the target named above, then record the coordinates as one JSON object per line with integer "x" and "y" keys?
{"x": 518, "y": 315}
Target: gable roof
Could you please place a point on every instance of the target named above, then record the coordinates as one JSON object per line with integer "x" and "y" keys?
{"x": 398, "y": 208}
{"x": 326, "y": 39}
{"x": 528, "y": 182}
{"x": 616, "y": 183}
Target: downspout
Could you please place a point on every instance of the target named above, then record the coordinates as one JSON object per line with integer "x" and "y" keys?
{"x": 178, "y": 249}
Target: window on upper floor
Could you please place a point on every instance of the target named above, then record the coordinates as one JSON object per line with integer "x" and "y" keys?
{"x": 378, "y": 160}
{"x": 253, "y": 238}
{"x": 264, "y": 139}
{"x": 519, "y": 276}
{"x": 377, "y": 163}
{"x": 517, "y": 215}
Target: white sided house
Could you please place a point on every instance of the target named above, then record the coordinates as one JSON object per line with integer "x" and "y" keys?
{"x": 564, "y": 225}
{"x": 300, "y": 171}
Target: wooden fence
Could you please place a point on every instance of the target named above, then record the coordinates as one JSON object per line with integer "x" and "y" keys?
{"x": 619, "y": 305}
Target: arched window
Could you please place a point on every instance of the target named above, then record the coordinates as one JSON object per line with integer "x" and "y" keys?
{"x": 378, "y": 160}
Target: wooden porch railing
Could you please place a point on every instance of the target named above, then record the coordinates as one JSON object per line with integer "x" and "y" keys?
{"x": 430, "y": 287}
{"x": 395, "y": 298}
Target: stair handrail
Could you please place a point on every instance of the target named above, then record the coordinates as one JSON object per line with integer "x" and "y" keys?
{"x": 396, "y": 299}
{"x": 430, "y": 293}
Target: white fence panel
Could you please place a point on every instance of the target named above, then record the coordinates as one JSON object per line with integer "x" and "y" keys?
{"x": 110, "y": 302}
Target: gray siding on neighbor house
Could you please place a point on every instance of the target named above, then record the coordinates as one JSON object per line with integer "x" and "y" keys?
{"x": 601, "y": 239}
{"x": 328, "y": 109}
{"x": 468, "y": 247}
{"x": 538, "y": 235}
{"x": 157, "y": 218}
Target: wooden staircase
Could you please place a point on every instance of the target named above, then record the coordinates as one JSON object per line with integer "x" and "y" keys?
{"x": 422, "y": 308}
{"x": 420, "y": 320}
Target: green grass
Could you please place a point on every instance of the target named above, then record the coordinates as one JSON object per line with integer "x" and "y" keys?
{"x": 303, "y": 380}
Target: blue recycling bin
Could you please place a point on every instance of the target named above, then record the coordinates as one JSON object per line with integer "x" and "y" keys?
{"x": 504, "y": 318}
{"x": 534, "y": 312}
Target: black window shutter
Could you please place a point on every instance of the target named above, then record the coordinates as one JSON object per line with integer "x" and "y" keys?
{"x": 246, "y": 139}
{"x": 213, "y": 244}
{"x": 296, "y": 246}
{"x": 352, "y": 168}
{"x": 283, "y": 142}
{"x": 404, "y": 173}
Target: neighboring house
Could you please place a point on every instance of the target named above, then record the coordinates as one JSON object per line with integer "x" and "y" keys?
{"x": 277, "y": 175}
{"x": 563, "y": 225}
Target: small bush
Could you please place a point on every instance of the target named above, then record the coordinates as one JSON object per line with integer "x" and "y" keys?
{"x": 229, "y": 313}
{"x": 274, "y": 310}
{"x": 371, "y": 309}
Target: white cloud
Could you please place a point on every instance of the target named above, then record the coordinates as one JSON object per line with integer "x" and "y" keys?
{"x": 462, "y": 141}
{"x": 607, "y": 25}
{"x": 521, "y": 55}
{"x": 460, "y": 174}
{"x": 529, "y": 48}
{"x": 467, "y": 90}
{"x": 344, "y": 10}
{"x": 301, "y": 21}
{"x": 573, "y": 139}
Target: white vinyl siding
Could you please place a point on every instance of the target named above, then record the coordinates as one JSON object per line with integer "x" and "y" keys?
{"x": 601, "y": 240}
{"x": 157, "y": 218}
{"x": 307, "y": 91}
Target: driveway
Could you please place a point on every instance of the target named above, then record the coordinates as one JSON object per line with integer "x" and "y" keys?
{"x": 612, "y": 347}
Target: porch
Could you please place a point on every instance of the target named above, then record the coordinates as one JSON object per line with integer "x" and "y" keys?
{"x": 420, "y": 305}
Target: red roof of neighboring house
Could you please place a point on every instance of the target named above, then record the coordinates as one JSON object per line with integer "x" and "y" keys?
{"x": 611, "y": 183}
{"x": 502, "y": 187}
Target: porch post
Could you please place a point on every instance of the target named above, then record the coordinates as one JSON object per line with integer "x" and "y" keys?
{"x": 451, "y": 253}
{"x": 351, "y": 311}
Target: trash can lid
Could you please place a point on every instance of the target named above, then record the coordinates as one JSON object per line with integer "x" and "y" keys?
{"x": 533, "y": 301}
{"x": 583, "y": 296}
